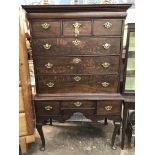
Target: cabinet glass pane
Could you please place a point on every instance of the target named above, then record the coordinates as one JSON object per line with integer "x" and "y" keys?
{"x": 131, "y": 64}
{"x": 130, "y": 83}
{"x": 132, "y": 41}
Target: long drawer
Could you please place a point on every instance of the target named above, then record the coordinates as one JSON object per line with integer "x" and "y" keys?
{"x": 77, "y": 84}
{"x": 77, "y": 65}
{"x": 72, "y": 46}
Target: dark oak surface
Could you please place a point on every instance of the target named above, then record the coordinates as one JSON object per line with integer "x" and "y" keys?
{"x": 78, "y": 96}
{"x": 81, "y": 85}
{"x": 86, "y": 65}
{"x": 67, "y": 84}
{"x": 99, "y": 28}
{"x": 79, "y": 8}
{"x": 84, "y": 30}
{"x": 116, "y": 107}
{"x": 53, "y": 30}
{"x": 87, "y": 46}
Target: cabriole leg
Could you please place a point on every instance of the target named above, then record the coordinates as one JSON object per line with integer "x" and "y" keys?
{"x": 115, "y": 132}
{"x": 40, "y": 131}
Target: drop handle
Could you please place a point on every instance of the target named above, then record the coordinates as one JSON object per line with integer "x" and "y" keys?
{"x": 105, "y": 84}
{"x": 108, "y": 108}
{"x": 105, "y": 64}
{"x": 77, "y": 104}
{"x": 50, "y": 84}
{"x": 106, "y": 46}
{"x": 48, "y": 108}
{"x": 47, "y": 46}
{"x": 77, "y": 26}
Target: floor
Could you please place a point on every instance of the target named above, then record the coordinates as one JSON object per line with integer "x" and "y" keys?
{"x": 78, "y": 138}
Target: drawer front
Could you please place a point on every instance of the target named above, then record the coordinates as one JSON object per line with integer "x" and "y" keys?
{"x": 47, "y": 108}
{"x": 46, "y": 28}
{"x": 72, "y": 46}
{"x": 109, "y": 107}
{"x": 77, "y": 84}
{"x": 78, "y": 105}
{"x": 83, "y": 111}
{"x": 76, "y": 28}
{"x": 77, "y": 65}
{"x": 107, "y": 27}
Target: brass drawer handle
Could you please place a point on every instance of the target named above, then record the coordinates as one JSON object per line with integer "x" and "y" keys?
{"x": 105, "y": 84}
{"x": 105, "y": 64}
{"x": 77, "y": 104}
{"x": 47, "y": 46}
{"x": 76, "y": 60}
{"x": 48, "y": 108}
{"x": 45, "y": 26}
{"x": 77, "y": 78}
{"x": 107, "y": 25}
{"x": 48, "y": 65}
{"x": 76, "y": 26}
{"x": 76, "y": 42}
{"x": 50, "y": 84}
{"x": 106, "y": 46}
{"x": 108, "y": 108}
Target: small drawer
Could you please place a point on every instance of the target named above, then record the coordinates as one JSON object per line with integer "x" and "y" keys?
{"x": 46, "y": 28}
{"x": 78, "y": 105}
{"x": 76, "y": 28}
{"x": 107, "y": 27}
{"x": 109, "y": 107}
{"x": 47, "y": 108}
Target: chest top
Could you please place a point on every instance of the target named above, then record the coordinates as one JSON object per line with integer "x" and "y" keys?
{"x": 69, "y": 11}
{"x": 76, "y": 48}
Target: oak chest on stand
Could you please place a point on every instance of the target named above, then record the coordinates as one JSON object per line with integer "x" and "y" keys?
{"x": 77, "y": 61}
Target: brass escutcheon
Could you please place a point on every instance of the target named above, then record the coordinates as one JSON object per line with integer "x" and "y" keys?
{"x": 45, "y": 26}
{"x": 107, "y": 25}
{"x": 48, "y": 65}
{"x": 77, "y": 78}
{"x": 76, "y": 42}
{"x": 105, "y": 84}
{"x": 76, "y": 60}
{"x": 106, "y": 46}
